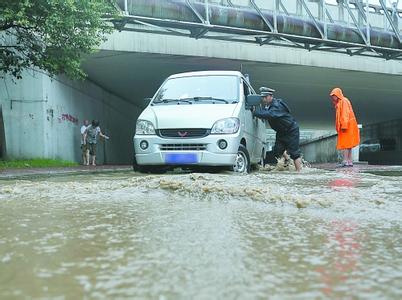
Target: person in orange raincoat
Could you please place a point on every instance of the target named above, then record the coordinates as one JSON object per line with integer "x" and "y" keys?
{"x": 346, "y": 126}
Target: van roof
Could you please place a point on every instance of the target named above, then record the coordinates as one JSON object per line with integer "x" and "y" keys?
{"x": 205, "y": 73}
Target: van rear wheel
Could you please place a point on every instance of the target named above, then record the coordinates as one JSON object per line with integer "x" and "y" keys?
{"x": 242, "y": 162}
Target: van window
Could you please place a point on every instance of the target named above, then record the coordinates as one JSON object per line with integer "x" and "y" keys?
{"x": 199, "y": 89}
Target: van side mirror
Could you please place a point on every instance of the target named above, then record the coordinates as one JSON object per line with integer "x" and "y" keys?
{"x": 252, "y": 100}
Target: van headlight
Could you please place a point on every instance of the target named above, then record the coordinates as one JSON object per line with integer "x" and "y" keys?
{"x": 144, "y": 127}
{"x": 226, "y": 126}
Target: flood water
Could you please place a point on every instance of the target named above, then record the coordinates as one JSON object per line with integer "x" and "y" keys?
{"x": 278, "y": 235}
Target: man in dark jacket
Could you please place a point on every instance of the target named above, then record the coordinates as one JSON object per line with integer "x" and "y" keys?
{"x": 279, "y": 118}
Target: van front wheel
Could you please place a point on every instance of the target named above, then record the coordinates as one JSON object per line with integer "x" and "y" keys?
{"x": 136, "y": 167}
{"x": 242, "y": 162}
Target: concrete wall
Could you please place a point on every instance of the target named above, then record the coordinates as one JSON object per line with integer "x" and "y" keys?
{"x": 142, "y": 42}
{"x": 42, "y": 118}
{"x": 382, "y": 142}
{"x": 22, "y": 105}
{"x": 387, "y": 134}
{"x": 323, "y": 150}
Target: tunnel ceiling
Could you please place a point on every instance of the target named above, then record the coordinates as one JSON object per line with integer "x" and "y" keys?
{"x": 375, "y": 97}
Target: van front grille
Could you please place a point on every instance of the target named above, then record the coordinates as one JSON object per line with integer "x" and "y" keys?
{"x": 184, "y": 133}
{"x": 183, "y": 147}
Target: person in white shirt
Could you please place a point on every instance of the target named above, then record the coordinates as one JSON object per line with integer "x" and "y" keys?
{"x": 92, "y": 132}
{"x": 84, "y": 144}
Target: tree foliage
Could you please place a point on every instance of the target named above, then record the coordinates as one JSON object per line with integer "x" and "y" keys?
{"x": 52, "y": 35}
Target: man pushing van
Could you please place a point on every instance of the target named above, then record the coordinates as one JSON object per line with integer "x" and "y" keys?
{"x": 279, "y": 118}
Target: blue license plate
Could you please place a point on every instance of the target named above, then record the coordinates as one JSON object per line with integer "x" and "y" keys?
{"x": 181, "y": 158}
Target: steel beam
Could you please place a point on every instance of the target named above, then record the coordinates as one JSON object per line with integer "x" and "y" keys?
{"x": 356, "y": 23}
{"x": 119, "y": 24}
{"x": 252, "y": 2}
{"x": 251, "y": 24}
{"x": 125, "y": 7}
{"x": 283, "y": 8}
{"x": 368, "y": 23}
{"x": 199, "y": 33}
{"x": 329, "y": 16}
{"x": 386, "y": 13}
{"x": 264, "y": 41}
{"x": 324, "y": 9}
{"x": 206, "y": 11}
{"x": 359, "y": 6}
{"x": 158, "y": 27}
{"x": 357, "y": 52}
{"x": 312, "y": 17}
{"x": 190, "y": 5}
{"x": 393, "y": 56}
{"x": 316, "y": 47}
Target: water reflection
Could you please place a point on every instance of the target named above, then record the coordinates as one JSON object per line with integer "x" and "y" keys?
{"x": 343, "y": 182}
{"x": 343, "y": 246}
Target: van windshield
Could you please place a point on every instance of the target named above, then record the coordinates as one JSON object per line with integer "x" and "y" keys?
{"x": 199, "y": 90}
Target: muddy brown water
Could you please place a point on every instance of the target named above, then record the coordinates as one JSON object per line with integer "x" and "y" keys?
{"x": 278, "y": 235}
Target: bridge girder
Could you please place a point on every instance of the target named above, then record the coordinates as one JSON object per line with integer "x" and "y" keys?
{"x": 275, "y": 27}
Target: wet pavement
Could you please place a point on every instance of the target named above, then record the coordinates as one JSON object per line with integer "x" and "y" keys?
{"x": 324, "y": 233}
{"x": 33, "y": 172}
{"x": 27, "y": 172}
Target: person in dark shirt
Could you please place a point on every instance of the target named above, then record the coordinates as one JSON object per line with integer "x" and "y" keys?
{"x": 277, "y": 113}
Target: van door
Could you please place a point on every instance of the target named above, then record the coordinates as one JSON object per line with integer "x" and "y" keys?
{"x": 259, "y": 134}
{"x": 251, "y": 125}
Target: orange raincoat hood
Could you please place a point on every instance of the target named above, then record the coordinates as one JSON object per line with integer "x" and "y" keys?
{"x": 337, "y": 92}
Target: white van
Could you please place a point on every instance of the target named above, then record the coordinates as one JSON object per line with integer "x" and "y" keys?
{"x": 200, "y": 119}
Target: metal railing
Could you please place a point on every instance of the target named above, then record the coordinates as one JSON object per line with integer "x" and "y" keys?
{"x": 355, "y": 27}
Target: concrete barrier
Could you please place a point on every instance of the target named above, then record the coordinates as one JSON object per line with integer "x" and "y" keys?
{"x": 320, "y": 150}
{"x": 323, "y": 150}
